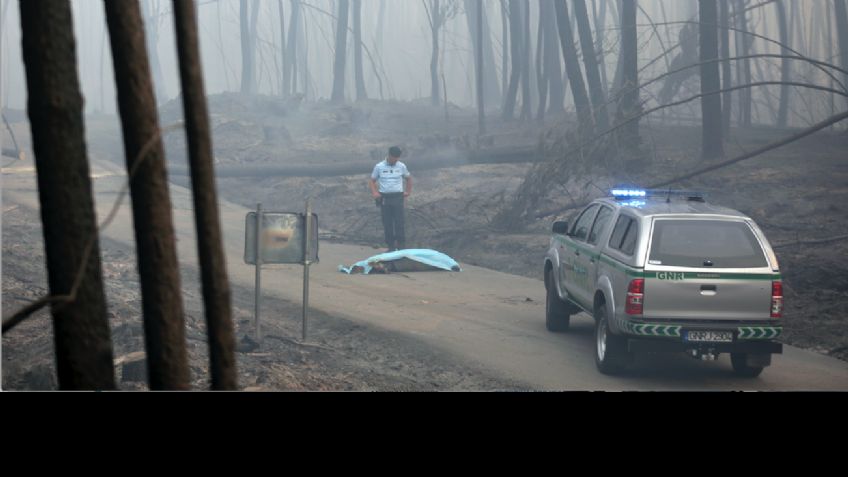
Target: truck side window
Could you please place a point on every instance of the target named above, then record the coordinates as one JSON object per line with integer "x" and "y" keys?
{"x": 628, "y": 244}
{"x": 624, "y": 235}
{"x": 604, "y": 216}
{"x": 581, "y": 227}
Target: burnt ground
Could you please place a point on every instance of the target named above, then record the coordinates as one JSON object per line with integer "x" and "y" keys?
{"x": 796, "y": 194}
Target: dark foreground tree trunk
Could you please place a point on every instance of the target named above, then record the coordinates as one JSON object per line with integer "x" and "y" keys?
{"x": 211, "y": 257}
{"x": 572, "y": 68}
{"x": 553, "y": 69}
{"x": 54, "y": 103}
{"x": 164, "y": 328}
{"x": 712, "y": 144}
{"x": 341, "y": 52}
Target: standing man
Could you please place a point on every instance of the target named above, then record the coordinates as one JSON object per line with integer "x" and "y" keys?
{"x": 391, "y": 184}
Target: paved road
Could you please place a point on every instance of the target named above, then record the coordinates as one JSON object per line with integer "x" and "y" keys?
{"x": 493, "y": 319}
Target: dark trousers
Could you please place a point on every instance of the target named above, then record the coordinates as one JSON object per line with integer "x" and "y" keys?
{"x": 393, "y": 221}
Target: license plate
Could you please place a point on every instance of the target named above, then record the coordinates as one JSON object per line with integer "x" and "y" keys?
{"x": 709, "y": 336}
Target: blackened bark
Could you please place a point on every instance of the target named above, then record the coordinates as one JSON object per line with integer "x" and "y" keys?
{"x": 526, "y": 55}
{"x": 248, "y": 82}
{"x": 164, "y": 326}
{"x": 491, "y": 88}
{"x": 745, "y": 77}
{"x": 841, "y": 13}
{"x": 593, "y": 75}
{"x": 712, "y": 142}
{"x": 572, "y": 68}
{"x": 481, "y": 102}
{"x": 553, "y": 69}
{"x": 727, "y": 80}
{"x": 55, "y": 107}
{"x": 341, "y": 52}
{"x": 435, "y": 26}
{"x": 361, "y": 94}
{"x": 541, "y": 74}
{"x": 515, "y": 40}
{"x": 290, "y": 65}
{"x": 628, "y": 106}
{"x": 785, "y": 69}
{"x": 211, "y": 257}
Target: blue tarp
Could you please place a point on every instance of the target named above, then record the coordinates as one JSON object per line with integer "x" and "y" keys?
{"x": 399, "y": 261}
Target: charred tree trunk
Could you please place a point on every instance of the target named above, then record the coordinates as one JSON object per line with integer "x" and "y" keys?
{"x": 361, "y": 94}
{"x": 435, "y": 27}
{"x": 553, "y": 69}
{"x": 628, "y": 106}
{"x": 712, "y": 142}
{"x": 491, "y": 88}
{"x": 744, "y": 48}
{"x": 290, "y": 64}
{"x": 526, "y": 55}
{"x": 481, "y": 92}
{"x": 785, "y": 71}
{"x": 842, "y": 32}
{"x": 593, "y": 74}
{"x": 727, "y": 79}
{"x": 572, "y": 68}
{"x": 283, "y": 91}
{"x": 504, "y": 50}
{"x": 55, "y": 107}
{"x": 211, "y": 257}
{"x": 154, "y": 231}
{"x": 248, "y": 46}
{"x": 515, "y": 47}
{"x": 341, "y": 52}
{"x": 541, "y": 70}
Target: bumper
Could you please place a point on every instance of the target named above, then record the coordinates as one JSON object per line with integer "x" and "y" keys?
{"x": 673, "y": 346}
{"x": 741, "y": 331}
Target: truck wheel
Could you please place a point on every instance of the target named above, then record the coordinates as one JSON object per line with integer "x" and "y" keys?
{"x": 741, "y": 368}
{"x": 611, "y": 356}
{"x": 557, "y": 316}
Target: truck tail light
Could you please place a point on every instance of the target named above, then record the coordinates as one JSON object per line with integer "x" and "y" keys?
{"x": 776, "y": 299}
{"x": 635, "y": 297}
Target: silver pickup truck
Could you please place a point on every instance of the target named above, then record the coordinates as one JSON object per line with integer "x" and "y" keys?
{"x": 665, "y": 271}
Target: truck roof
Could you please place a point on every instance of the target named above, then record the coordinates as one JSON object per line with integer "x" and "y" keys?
{"x": 659, "y": 206}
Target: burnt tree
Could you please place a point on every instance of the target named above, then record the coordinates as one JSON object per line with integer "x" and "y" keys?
{"x": 55, "y": 107}
{"x": 726, "y": 78}
{"x": 247, "y": 24}
{"x": 290, "y": 65}
{"x": 712, "y": 140}
{"x": 526, "y": 98}
{"x": 572, "y": 68}
{"x": 515, "y": 49}
{"x": 743, "y": 47}
{"x": 210, "y": 246}
{"x": 552, "y": 66}
{"x": 785, "y": 70}
{"x": 164, "y": 327}
{"x": 341, "y": 52}
{"x": 628, "y": 106}
{"x": 357, "y": 51}
{"x": 491, "y": 88}
{"x": 593, "y": 74}
{"x": 842, "y": 32}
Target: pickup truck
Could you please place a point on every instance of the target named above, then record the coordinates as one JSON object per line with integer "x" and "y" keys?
{"x": 665, "y": 271}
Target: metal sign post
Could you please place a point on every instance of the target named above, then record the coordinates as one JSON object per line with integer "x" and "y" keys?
{"x": 258, "y": 271}
{"x": 306, "y": 262}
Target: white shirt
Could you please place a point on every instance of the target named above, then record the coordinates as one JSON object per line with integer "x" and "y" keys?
{"x": 390, "y": 178}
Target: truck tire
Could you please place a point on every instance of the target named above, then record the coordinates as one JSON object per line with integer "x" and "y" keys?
{"x": 557, "y": 312}
{"x": 611, "y": 356}
{"x": 741, "y": 368}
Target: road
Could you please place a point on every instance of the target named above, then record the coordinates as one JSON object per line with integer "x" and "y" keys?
{"x": 481, "y": 316}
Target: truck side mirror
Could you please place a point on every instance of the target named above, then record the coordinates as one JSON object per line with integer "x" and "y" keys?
{"x": 561, "y": 228}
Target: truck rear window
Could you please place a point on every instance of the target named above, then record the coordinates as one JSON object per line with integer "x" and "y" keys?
{"x": 705, "y": 244}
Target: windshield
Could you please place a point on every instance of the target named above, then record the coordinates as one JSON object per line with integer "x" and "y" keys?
{"x": 705, "y": 244}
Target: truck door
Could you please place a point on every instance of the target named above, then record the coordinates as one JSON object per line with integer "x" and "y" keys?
{"x": 574, "y": 268}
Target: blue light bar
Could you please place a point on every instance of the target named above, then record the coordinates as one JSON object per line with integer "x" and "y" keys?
{"x": 628, "y": 193}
